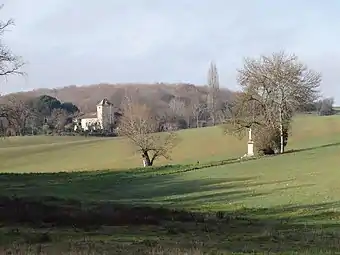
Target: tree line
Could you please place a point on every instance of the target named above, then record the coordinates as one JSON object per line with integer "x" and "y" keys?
{"x": 48, "y": 115}
{"x": 34, "y": 116}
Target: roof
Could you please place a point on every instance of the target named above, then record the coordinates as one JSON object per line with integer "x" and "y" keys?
{"x": 87, "y": 115}
{"x": 104, "y": 102}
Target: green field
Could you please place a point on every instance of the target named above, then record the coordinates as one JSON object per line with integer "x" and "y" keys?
{"x": 284, "y": 204}
{"x": 54, "y": 153}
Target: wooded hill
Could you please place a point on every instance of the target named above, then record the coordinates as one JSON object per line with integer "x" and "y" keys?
{"x": 157, "y": 96}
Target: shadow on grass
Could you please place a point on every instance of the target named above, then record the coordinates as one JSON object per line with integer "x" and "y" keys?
{"x": 314, "y": 148}
{"x": 89, "y": 204}
{"x": 276, "y": 230}
{"x": 151, "y": 186}
{"x": 138, "y": 187}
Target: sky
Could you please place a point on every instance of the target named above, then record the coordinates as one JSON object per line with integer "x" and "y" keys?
{"x": 82, "y": 42}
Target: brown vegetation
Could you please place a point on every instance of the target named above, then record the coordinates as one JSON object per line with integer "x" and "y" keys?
{"x": 18, "y": 114}
{"x": 140, "y": 125}
{"x": 157, "y": 96}
{"x": 176, "y": 106}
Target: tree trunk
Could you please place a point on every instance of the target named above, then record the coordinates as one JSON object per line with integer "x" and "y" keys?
{"x": 213, "y": 117}
{"x": 281, "y": 133}
{"x": 146, "y": 159}
{"x": 197, "y": 124}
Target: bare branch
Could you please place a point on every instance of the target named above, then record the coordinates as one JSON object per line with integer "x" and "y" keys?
{"x": 177, "y": 106}
{"x": 17, "y": 113}
{"x": 10, "y": 64}
{"x": 59, "y": 119}
{"x": 139, "y": 125}
{"x": 274, "y": 88}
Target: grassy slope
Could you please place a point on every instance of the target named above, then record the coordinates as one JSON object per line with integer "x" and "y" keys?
{"x": 48, "y": 154}
{"x": 275, "y": 194}
{"x": 116, "y": 153}
{"x": 304, "y": 177}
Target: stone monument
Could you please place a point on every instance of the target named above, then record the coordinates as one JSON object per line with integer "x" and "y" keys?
{"x": 250, "y": 152}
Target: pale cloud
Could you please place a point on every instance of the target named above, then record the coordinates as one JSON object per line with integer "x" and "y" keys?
{"x": 81, "y": 42}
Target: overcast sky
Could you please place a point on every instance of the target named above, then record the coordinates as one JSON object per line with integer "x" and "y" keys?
{"x": 82, "y": 42}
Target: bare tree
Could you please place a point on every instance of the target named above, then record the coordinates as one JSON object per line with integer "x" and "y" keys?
{"x": 59, "y": 119}
{"x": 225, "y": 112}
{"x": 18, "y": 114}
{"x": 10, "y": 64}
{"x": 198, "y": 109}
{"x": 139, "y": 125}
{"x": 274, "y": 87}
{"x": 180, "y": 113}
{"x": 177, "y": 106}
{"x": 213, "y": 89}
{"x": 3, "y": 121}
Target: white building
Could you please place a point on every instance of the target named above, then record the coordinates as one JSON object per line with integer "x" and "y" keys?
{"x": 103, "y": 119}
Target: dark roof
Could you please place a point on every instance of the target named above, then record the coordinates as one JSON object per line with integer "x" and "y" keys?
{"x": 104, "y": 102}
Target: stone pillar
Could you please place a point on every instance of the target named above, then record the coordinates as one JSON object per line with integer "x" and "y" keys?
{"x": 250, "y": 149}
{"x": 250, "y": 152}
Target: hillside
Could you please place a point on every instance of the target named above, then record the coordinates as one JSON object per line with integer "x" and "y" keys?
{"x": 286, "y": 204}
{"x": 53, "y": 153}
{"x": 156, "y": 96}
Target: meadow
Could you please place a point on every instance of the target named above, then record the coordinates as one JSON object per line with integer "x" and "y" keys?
{"x": 57, "y": 153}
{"x": 287, "y": 204}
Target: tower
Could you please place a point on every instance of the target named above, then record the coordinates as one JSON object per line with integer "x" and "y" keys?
{"x": 105, "y": 114}
{"x": 213, "y": 89}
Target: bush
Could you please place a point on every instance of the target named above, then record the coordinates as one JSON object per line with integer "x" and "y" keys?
{"x": 99, "y": 133}
{"x": 267, "y": 140}
{"x": 326, "y": 107}
{"x": 46, "y": 129}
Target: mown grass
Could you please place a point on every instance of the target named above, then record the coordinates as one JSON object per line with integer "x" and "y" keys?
{"x": 282, "y": 204}
{"x": 297, "y": 177}
{"x": 285, "y": 204}
{"x": 50, "y": 154}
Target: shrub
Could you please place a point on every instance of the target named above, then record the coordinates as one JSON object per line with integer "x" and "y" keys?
{"x": 267, "y": 140}
{"x": 326, "y": 107}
